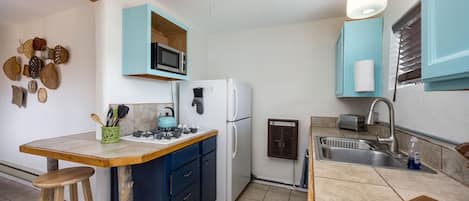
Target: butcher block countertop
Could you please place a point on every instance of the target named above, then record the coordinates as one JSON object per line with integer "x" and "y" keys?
{"x": 85, "y": 149}
{"x": 336, "y": 181}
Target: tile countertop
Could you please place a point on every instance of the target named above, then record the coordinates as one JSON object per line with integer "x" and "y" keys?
{"x": 336, "y": 181}
{"x": 85, "y": 149}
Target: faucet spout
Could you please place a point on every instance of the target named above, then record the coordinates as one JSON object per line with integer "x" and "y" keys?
{"x": 391, "y": 140}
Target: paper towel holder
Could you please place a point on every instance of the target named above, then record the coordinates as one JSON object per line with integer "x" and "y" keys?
{"x": 364, "y": 75}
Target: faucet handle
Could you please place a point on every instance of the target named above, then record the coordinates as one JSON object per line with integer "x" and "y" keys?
{"x": 387, "y": 139}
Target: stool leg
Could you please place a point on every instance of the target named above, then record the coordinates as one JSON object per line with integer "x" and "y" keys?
{"x": 52, "y": 165}
{"x": 59, "y": 194}
{"x": 85, "y": 184}
{"x": 73, "y": 192}
{"x": 44, "y": 195}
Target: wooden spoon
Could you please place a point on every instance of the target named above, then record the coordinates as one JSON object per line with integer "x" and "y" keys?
{"x": 96, "y": 119}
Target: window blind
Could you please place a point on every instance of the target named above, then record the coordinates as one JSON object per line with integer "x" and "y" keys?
{"x": 408, "y": 31}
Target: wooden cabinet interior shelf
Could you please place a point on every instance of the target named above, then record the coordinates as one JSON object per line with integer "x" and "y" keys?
{"x": 167, "y": 33}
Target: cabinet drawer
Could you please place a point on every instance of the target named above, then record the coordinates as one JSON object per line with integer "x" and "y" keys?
{"x": 209, "y": 145}
{"x": 185, "y": 155}
{"x": 191, "y": 193}
{"x": 185, "y": 176}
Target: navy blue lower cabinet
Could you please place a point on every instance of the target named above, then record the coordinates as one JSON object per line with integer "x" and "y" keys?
{"x": 151, "y": 181}
{"x": 188, "y": 174}
{"x": 209, "y": 177}
{"x": 184, "y": 177}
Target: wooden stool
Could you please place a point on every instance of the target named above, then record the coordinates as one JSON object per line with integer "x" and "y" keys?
{"x": 56, "y": 181}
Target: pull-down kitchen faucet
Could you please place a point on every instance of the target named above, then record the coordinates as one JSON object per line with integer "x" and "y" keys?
{"x": 391, "y": 140}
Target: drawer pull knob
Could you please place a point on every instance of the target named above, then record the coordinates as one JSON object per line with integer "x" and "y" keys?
{"x": 188, "y": 174}
{"x": 188, "y": 196}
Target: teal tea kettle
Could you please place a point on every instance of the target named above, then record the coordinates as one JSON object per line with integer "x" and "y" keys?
{"x": 167, "y": 121}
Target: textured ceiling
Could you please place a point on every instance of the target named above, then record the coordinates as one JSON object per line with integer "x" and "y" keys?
{"x": 20, "y": 11}
{"x": 210, "y": 15}
{"x": 229, "y": 15}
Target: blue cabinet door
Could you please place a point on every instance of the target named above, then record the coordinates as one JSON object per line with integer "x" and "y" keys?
{"x": 358, "y": 40}
{"x": 445, "y": 46}
{"x": 151, "y": 180}
{"x": 209, "y": 177}
{"x": 339, "y": 64}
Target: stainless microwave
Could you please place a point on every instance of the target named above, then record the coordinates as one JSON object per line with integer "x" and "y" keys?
{"x": 168, "y": 59}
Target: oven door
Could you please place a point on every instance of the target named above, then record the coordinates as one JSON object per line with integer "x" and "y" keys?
{"x": 168, "y": 59}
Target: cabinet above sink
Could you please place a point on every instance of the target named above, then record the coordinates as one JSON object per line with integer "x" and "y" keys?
{"x": 145, "y": 30}
{"x": 359, "y": 41}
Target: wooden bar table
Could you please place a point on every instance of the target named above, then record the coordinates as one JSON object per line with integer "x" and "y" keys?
{"x": 85, "y": 149}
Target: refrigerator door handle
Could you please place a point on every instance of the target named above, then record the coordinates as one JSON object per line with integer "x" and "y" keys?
{"x": 236, "y": 102}
{"x": 235, "y": 137}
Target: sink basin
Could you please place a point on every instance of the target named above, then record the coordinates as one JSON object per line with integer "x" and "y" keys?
{"x": 360, "y": 151}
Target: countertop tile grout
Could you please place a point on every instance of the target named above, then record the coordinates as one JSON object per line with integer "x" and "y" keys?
{"x": 390, "y": 186}
{"x": 351, "y": 181}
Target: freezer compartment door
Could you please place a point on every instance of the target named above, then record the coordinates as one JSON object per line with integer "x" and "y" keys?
{"x": 239, "y": 100}
{"x": 239, "y": 156}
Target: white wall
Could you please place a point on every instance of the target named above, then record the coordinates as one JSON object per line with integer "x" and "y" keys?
{"x": 67, "y": 109}
{"x": 113, "y": 87}
{"x": 291, "y": 70}
{"x": 441, "y": 114}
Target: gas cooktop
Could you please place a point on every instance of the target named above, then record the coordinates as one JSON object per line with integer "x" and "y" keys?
{"x": 164, "y": 136}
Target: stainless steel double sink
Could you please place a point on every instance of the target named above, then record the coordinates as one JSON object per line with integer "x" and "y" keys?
{"x": 360, "y": 151}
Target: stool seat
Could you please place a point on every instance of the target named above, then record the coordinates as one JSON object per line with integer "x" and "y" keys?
{"x": 63, "y": 177}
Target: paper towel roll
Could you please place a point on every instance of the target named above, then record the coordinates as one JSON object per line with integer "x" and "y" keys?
{"x": 364, "y": 76}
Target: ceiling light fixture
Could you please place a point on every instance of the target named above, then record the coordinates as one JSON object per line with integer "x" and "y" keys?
{"x": 360, "y": 9}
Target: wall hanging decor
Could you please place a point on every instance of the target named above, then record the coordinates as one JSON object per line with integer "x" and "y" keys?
{"x": 41, "y": 63}
{"x": 35, "y": 66}
{"x": 26, "y": 48}
{"x": 18, "y": 96}
{"x": 12, "y": 69}
{"x": 26, "y": 70}
{"x": 61, "y": 55}
{"x": 42, "y": 95}
{"x": 49, "y": 76}
{"x": 32, "y": 86}
{"x": 48, "y": 53}
{"x": 39, "y": 44}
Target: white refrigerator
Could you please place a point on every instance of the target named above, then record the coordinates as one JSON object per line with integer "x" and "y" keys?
{"x": 226, "y": 106}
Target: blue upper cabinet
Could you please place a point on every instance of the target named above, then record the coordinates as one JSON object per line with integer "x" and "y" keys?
{"x": 358, "y": 40}
{"x": 143, "y": 25}
{"x": 339, "y": 64}
{"x": 445, "y": 46}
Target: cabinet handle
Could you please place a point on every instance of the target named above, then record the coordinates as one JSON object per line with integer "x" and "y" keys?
{"x": 188, "y": 196}
{"x": 188, "y": 174}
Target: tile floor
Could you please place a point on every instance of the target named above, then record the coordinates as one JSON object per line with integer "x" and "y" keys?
{"x": 13, "y": 191}
{"x": 260, "y": 192}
